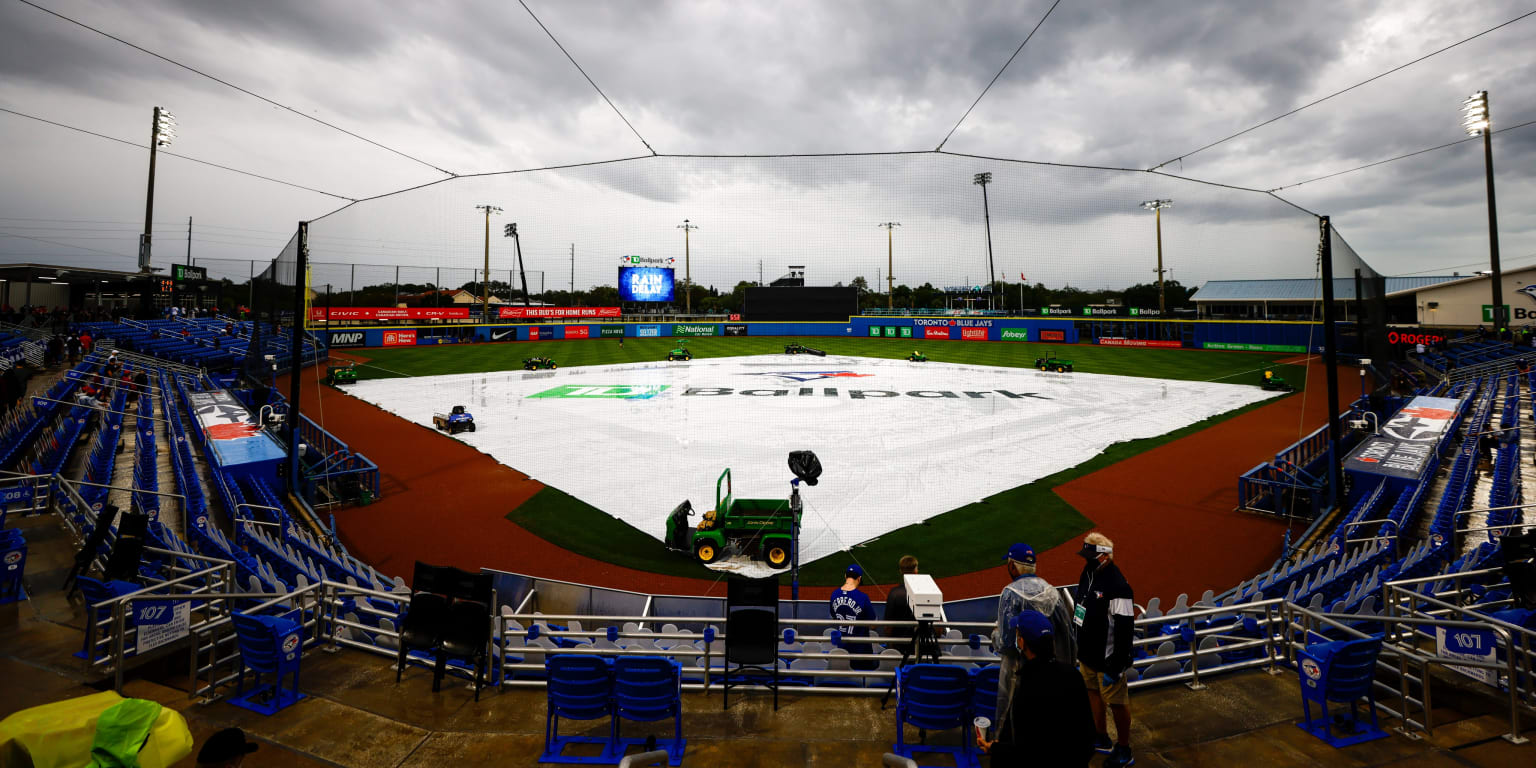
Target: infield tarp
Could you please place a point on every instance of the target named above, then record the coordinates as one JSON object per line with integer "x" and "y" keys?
{"x": 900, "y": 442}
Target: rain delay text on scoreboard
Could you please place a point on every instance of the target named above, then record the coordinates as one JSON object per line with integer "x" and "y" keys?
{"x": 645, "y": 283}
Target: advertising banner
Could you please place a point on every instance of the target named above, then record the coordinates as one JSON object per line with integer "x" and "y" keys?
{"x": 973, "y": 334}
{"x": 427, "y": 341}
{"x": 735, "y": 329}
{"x": 1139, "y": 312}
{"x": 1254, "y": 347}
{"x": 1015, "y": 334}
{"x": 545, "y": 333}
{"x": 1056, "y": 311}
{"x": 502, "y": 334}
{"x": 389, "y": 313}
{"x": 1116, "y": 341}
{"x": 645, "y": 283}
{"x": 577, "y": 332}
{"x": 1405, "y": 444}
{"x": 932, "y": 332}
{"x": 874, "y": 331}
{"x": 399, "y": 338}
{"x": 647, "y": 330}
{"x": 694, "y": 330}
{"x": 611, "y": 331}
{"x": 346, "y": 339}
{"x": 1053, "y": 335}
{"x": 521, "y": 313}
{"x": 1411, "y": 337}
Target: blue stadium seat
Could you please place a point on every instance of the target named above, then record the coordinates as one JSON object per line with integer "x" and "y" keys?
{"x": 648, "y": 689}
{"x": 1341, "y": 672}
{"x": 934, "y": 697}
{"x": 579, "y": 688}
{"x": 269, "y": 645}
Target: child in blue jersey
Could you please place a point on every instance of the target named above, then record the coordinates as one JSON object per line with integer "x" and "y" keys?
{"x": 851, "y": 604}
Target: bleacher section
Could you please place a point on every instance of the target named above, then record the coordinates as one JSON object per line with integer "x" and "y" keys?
{"x": 213, "y": 344}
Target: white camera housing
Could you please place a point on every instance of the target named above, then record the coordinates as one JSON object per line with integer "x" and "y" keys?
{"x": 924, "y": 597}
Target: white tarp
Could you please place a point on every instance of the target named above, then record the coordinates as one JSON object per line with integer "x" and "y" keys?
{"x": 900, "y": 442}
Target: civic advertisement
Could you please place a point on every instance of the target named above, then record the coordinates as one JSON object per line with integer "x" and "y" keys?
{"x": 1015, "y": 334}
{"x": 520, "y": 313}
{"x": 932, "y": 332}
{"x": 346, "y": 339}
{"x": 1117, "y": 341}
{"x": 1404, "y": 445}
{"x": 647, "y": 330}
{"x": 735, "y": 329}
{"x": 645, "y": 283}
{"x": 399, "y": 338}
{"x": 389, "y": 313}
{"x": 693, "y": 330}
{"x": 973, "y": 334}
{"x": 611, "y": 331}
{"x": 577, "y": 332}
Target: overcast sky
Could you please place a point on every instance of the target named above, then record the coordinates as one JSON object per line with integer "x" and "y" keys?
{"x": 474, "y": 87}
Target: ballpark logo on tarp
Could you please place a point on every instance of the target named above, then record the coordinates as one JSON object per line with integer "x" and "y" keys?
{"x": 602, "y": 392}
{"x": 804, "y": 376}
{"x": 642, "y": 260}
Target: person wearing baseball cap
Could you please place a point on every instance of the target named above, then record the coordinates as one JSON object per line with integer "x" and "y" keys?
{"x": 225, "y": 749}
{"x": 1026, "y": 591}
{"x": 851, "y": 604}
{"x": 1105, "y": 634}
{"x": 1050, "y": 722}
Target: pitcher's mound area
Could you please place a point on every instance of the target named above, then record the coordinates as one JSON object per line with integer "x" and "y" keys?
{"x": 900, "y": 442}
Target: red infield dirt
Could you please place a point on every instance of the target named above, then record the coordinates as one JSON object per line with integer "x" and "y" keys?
{"x": 1169, "y": 510}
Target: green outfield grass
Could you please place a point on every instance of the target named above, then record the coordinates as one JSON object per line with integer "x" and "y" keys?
{"x": 959, "y": 541}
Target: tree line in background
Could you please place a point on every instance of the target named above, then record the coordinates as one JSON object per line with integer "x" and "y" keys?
{"x": 710, "y": 300}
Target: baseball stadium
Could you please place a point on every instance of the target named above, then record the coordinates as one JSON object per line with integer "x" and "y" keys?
{"x": 447, "y": 473}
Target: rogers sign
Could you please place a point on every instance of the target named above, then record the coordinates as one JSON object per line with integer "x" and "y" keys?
{"x": 1410, "y": 338}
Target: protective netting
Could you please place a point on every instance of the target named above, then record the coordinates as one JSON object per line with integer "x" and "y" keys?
{"x": 1053, "y": 225}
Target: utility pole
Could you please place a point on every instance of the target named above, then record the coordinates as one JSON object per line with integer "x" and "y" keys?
{"x": 889, "y": 226}
{"x": 759, "y": 272}
{"x": 573, "y": 273}
{"x": 485, "y": 292}
{"x": 687, "y": 267}
{"x": 982, "y": 180}
{"x": 162, "y": 129}
{"x": 1477, "y": 120}
{"x": 1157, "y": 206}
{"x": 189, "y": 241}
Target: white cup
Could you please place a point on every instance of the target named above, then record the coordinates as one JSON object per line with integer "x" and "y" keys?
{"x": 982, "y": 724}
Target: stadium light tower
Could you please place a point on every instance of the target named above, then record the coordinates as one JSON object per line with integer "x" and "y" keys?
{"x": 890, "y": 291}
{"x": 982, "y": 180}
{"x": 1157, "y": 207}
{"x": 1475, "y": 118}
{"x": 485, "y": 286}
{"x": 162, "y": 130}
{"x": 687, "y": 267}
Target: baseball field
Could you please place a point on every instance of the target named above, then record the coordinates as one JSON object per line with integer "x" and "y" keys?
{"x": 1168, "y": 496}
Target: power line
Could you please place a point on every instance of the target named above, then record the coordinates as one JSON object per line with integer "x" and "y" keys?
{"x": 1398, "y": 68}
{"x": 183, "y": 157}
{"x": 999, "y": 74}
{"x": 589, "y": 77}
{"x": 1399, "y": 157}
{"x": 65, "y": 245}
{"x": 245, "y": 91}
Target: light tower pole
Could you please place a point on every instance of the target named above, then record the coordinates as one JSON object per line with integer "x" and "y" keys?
{"x": 485, "y": 286}
{"x": 1477, "y": 121}
{"x": 162, "y": 129}
{"x": 1157, "y": 206}
{"x": 687, "y": 267}
{"x": 890, "y": 291}
{"x": 982, "y": 180}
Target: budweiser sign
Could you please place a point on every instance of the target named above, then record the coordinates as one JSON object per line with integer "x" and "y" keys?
{"x": 518, "y": 313}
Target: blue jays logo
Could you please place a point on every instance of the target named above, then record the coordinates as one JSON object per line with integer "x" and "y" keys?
{"x": 1529, "y": 290}
{"x": 804, "y": 376}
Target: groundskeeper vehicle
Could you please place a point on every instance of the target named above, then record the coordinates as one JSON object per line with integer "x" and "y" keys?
{"x": 337, "y": 375}
{"x": 763, "y": 529}
{"x": 1274, "y": 383}
{"x": 796, "y": 348}
{"x": 455, "y": 421}
{"x": 681, "y": 353}
{"x": 536, "y": 363}
{"x": 1053, "y": 364}
{"x": 917, "y": 357}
